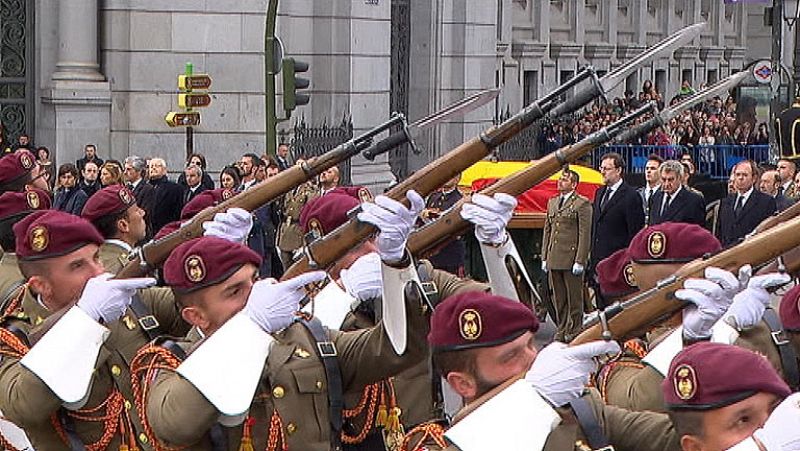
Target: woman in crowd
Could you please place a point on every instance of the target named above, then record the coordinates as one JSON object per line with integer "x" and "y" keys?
{"x": 69, "y": 198}
{"x": 198, "y": 160}
{"x": 229, "y": 178}
{"x": 110, "y": 174}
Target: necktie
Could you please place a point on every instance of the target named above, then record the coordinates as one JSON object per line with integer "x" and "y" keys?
{"x": 780, "y": 190}
{"x": 560, "y": 202}
{"x": 665, "y": 204}
{"x": 739, "y": 204}
{"x": 604, "y": 200}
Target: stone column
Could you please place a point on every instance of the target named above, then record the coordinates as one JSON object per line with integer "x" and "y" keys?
{"x": 79, "y": 95}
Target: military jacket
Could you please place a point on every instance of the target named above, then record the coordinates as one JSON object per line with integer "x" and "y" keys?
{"x": 290, "y": 235}
{"x": 624, "y": 429}
{"x": 567, "y": 232}
{"x": 10, "y": 277}
{"x": 291, "y": 402}
{"x": 28, "y": 402}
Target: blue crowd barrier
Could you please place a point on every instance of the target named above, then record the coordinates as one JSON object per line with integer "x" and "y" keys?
{"x": 715, "y": 161}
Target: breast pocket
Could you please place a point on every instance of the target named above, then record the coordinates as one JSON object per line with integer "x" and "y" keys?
{"x": 312, "y": 386}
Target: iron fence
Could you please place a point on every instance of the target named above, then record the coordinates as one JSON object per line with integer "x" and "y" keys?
{"x": 310, "y": 141}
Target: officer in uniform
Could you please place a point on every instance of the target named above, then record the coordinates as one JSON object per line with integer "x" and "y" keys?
{"x": 290, "y": 236}
{"x": 19, "y": 170}
{"x": 451, "y": 257}
{"x": 479, "y": 341}
{"x": 565, "y": 252}
{"x": 713, "y": 410}
{"x": 292, "y": 374}
{"x": 630, "y": 379}
{"x": 13, "y": 207}
{"x": 63, "y": 371}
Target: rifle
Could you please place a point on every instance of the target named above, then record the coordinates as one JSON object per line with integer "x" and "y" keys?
{"x": 621, "y": 320}
{"x": 154, "y": 253}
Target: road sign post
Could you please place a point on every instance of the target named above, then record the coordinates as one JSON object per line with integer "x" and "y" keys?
{"x": 188, "y": 100}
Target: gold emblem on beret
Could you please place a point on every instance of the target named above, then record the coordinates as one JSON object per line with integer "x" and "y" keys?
{"x": 685, "y": 381}
{"x": 26, "y": 161}
{"x": 315, "y": 227}
{"x": 364, "y": 195}
{"x": 39, "y": 238}
{"x": 227, "y": 194}
{"x": 627, "y": 273}
{"x": 126, "y": 196}
{"x": 195, "y": 268}
{"x": 656, "y": 244}
{"x": 33, "y": 200}
{"x": 470, "y": 324}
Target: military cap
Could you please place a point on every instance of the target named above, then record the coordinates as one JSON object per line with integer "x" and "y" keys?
{"x": 205, "y": 261}
{"x": 205, "y": 199}
{"x": 478, "y": 319}
{"x": 53, "y": 233}
{"x": 327, "y": 212}
{"x": 788, "y": 310}
{"x": 615, "y": 275}
{"x": 707, "y": 376}
{"x": 13, "y": 203}
{"x": 15, "y": 166}
{"x": 166, "y": 229}
{"x": 672, "y": 242}
{"x": 109, "y": 201}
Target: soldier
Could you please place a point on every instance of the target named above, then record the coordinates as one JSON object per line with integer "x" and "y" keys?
{"x": 479, "y": 341}
{"x": 450, "y": 258}
{"x": 712, "y": 410}
{"x": 13, "y": 208}
{"x": 565, "y": 252}
{"x": 290, "y": 236}
{"x": 19, "y": 170}
{"x": 64, "y": 371}
{"x": 293, "y": 373}
{"x": 786, "y": 172}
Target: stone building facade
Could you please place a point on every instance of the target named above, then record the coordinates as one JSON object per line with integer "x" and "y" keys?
{"x": 104, "y": 71}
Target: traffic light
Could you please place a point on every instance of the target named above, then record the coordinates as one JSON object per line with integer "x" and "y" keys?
{"x": 292, "y": 84}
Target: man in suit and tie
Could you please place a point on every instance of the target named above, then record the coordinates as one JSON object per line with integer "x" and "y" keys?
{"x": 135, "y": 167}
{"x": 565, "y": 252}
{"x": 194, "y": 182}
{"x": 617, "y": 215}
{"x": 282, "y": 157}
{"x": 674, "y": 202}
{"x": 652, "y": 181}
{"x": 742, "y": 211}
{"x": 770, "y": 183}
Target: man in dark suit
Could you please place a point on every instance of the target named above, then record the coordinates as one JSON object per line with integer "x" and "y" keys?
{"x": 168, "y": 195}
{"x": 652, "y": 182}
{"x": 90, "y": 154}
{"x": 194, "y": 186}
{"x": 617, "y": 216}
{"x": 143, "y": 191}
{"x": 770, "y": 183}
{"x": 674, "y": 202}
{"x": 451, "y": 257}
{"x": 282, "y": 157}
{"x": 742, "y": 211}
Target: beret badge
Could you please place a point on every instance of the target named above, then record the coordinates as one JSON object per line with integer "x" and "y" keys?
{"x": 685, "y": 381}
{"x": 195, "y": 268}
{"x": 656, "y": 244}
{"x": 470, "y": 324}
{"x": 33, "y": 200}
{"x": 39, "y": 238}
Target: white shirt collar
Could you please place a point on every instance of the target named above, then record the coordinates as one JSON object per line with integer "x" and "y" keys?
{"x": 120, "y": 243}
{"x": 613, "y": 188}
{"x": 745, "y": 196}
{"x": 136, "y": 183}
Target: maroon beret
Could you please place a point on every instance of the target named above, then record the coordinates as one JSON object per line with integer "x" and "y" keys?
{"x": 166, "y": 229}
{"x": 205, "y": 261}
{"x": 615, "y": 275}
{"x": 707, "y": 376}
{"x": 16, "y": 165}
{"x": 13, "y": 203}
{"x": 359, "y": 192}
{"x": 325, "y": 213}
{"x": 672, "y": 242}
{"x": 205, "y": 199}
{"x": 108, "y": 201}
{"x": 478, "y": 319}
{"x": 789, "y": 313}
{"x": 53, "y": 233}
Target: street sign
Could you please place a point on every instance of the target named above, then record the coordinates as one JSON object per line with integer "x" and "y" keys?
{"x": 762, "y": 71}
{"x": 187, "y": 119}
{"x": 196, "y": 81}
{"x": 193, "y": 100}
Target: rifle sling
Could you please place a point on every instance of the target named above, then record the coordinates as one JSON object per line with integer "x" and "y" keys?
{"x": 589, "y": 424}
{"x": 785, "y": 349}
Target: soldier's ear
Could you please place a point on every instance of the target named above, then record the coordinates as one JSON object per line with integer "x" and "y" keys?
{"x": 195, "y": 317}
{"x": 463, "y": 384}
{"x": 691, "y": 443}
{"x": 40, "y": 286}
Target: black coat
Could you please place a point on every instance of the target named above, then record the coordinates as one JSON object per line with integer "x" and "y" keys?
{"x": 168, "y": 202}
{"x": 450, "y": 257}
{"x": 686, "y": 207}
{"x": 615, "y": 225}
{"x": 145, "y": 195}
{"x": 70, "y": 200}
{"x": 732, "y": 227}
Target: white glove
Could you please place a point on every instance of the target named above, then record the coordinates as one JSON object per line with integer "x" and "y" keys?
{"x": 560, "y": 372}
{"x": 781, "y": 432}
{"x": 233, "y": 225}
{"x": 708, "y": 303}
{"x": 272, "y": 305}
{"x": 544, "y": 266}
{"x": 107, "y": 299}
{"x": 730, "y": 284}
{"x": 490, "y": 216}
{"x": 395, "y": 222}
{"x": 577, "y": 269}
{"x": 748, "y": 306}
{"x": 363, "y": 279}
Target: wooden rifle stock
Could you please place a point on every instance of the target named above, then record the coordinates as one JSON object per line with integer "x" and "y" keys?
{"x": 326, "y": 250}
{"x": 430, "y": 237}
{"x": 636, "y": 314}
{"x": 154, "y": 253}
